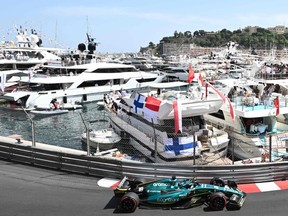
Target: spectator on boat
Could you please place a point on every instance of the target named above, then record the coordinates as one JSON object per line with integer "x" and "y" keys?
{"x": 115, "y": 106}
{"x": 277, "y": 88}
{"x": 255, "y": 99}
{"x": 246, "y": 93}
{"x": 54, "y": 104}
{"x": 271, "y": 89}
{"x": 106, "y": 99}
{"x": 240, "y": 92}
{"x": 158, "y": 92}
{"x": 123, "y": 92}
{"x": 253, "y": 127}
{"x": 256, "y": 91}
{"x": 268, "y": 68}
{"x": 265, "y": 98}
{"x": 233, "y": 93}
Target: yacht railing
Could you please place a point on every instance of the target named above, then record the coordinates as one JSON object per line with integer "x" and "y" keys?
{"x": 244, "y": 102}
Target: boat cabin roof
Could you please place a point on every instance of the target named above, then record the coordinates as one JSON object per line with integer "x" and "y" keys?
{"x": 90, "y": 67}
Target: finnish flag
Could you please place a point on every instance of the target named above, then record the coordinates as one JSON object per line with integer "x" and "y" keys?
{"x": 138, "y": 103}
{"x": 181, "y": 146}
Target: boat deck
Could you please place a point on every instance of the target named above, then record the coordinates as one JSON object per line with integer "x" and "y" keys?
{"x": 206, "y": 158}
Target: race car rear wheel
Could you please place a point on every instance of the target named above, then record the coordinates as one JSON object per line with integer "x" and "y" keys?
{"x": 129, "y": 202}
{"x": 217, "y": 181}
{"x": 217, "y": 201}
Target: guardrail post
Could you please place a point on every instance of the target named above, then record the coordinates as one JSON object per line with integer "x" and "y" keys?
{"x": 232, "y": 143}
{"x": 194, "y": 151}
{"x": 270, "y": 148}
{"x": 87, "y": 135}
{"x": 33, "y": 133}
{"x": 155, "y": 141}
{"x": 32, "y": 128}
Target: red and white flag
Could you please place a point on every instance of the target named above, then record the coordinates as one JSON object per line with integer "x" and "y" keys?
{"x": 177, "y": 116}
{"x": 200, "y": 80}
{"x": 277, "y": 105}
{"x": 232, "y": 112}
{"x": 217, "y": 92}
{"x": 151, "y": 109}
{"x": 206, "y": 90}
{"x": 191, "y": 74}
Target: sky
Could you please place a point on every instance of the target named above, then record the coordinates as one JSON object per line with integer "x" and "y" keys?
{"x": 127, "y": 25}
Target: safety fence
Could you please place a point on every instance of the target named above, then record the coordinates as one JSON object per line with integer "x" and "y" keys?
{"x": 101, "y": 166}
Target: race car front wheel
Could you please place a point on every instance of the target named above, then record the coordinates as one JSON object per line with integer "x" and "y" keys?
{"x": 217, "y": 201}
{"x": 129, "y": 202}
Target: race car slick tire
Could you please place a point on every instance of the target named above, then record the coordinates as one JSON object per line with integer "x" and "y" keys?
{"x": 129, "y": 202}
{"x": 217, "y": 181}
{"x": 217, "y": 201}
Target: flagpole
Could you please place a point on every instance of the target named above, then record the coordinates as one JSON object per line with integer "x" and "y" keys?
{"x": 155, "y": 141}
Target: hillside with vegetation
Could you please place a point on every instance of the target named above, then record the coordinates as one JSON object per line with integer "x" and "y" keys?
{"x": 261, "y": 39}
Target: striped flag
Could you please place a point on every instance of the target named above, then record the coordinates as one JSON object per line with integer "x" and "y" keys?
{"x": 191, "y": 74}
{"x": 277, "y": 105}
{"x": 200, "y": 80}
{"x": 217, "y": 92}
{"x": 206, "y": 90}
{"x": 231, "y": 108}
{"x": 177, "y": 116}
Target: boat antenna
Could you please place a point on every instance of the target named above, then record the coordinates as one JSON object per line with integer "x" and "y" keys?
{"x": 56, "y": 29}
{"x": 87, "y": 23}
{"x": 87, "y": 32}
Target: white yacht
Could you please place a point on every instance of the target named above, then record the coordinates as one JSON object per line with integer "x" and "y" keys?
{"x": 26, "y": 52}
{"x": 152, "y": 123}
{"x": 257, "y": 129}
{"x": 79, "y": 84}
{"x": 176, "y": 73}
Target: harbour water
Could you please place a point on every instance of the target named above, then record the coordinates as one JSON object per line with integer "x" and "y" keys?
{"x": 61, "y": 130}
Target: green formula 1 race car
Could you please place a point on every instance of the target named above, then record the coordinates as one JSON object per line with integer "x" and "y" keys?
{"x": 173, "y": 193}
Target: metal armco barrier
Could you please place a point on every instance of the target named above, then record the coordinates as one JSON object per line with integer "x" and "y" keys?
{"x": 77, "y": 161}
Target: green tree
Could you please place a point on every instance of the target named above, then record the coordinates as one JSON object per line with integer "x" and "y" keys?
{"x": 151, "y": 45}
{"x": 188, "y": 34}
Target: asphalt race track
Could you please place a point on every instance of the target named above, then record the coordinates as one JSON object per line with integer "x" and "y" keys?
{"x": 31, "y": 191}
